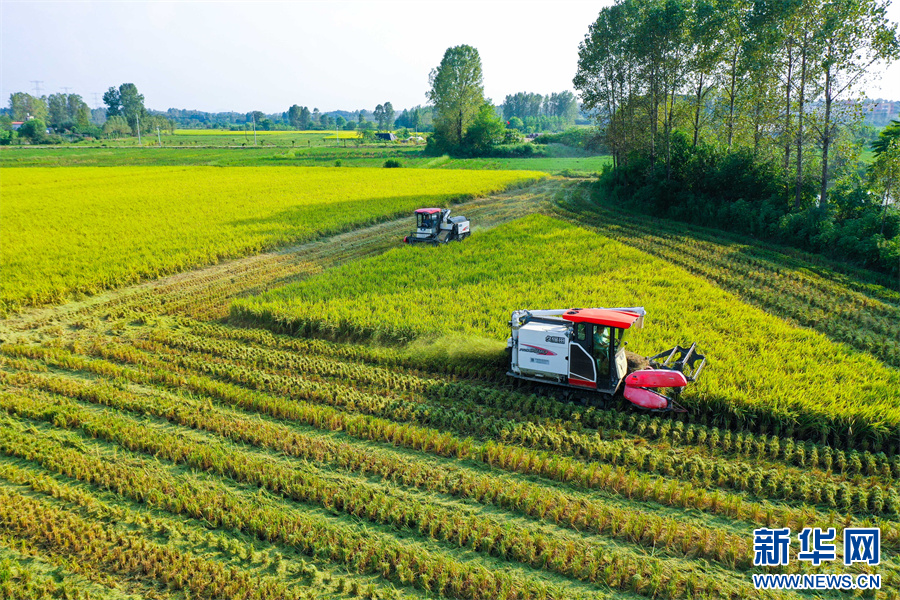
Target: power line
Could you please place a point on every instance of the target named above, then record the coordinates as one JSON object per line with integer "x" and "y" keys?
{"x": 96, "y": 99}
{"x": 37, "y": 87}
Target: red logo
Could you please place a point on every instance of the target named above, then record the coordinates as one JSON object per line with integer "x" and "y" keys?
{"x": 537, "y": 350}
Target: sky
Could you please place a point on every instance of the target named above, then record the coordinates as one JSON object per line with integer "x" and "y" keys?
{"x": 241, "y": 56}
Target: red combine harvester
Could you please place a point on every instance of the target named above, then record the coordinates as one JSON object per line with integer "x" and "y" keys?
{"x": 435, "y": 226}
{"x": 583, "y": 349}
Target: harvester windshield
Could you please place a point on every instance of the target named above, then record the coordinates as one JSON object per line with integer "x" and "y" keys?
{"x": 424, "y": 221}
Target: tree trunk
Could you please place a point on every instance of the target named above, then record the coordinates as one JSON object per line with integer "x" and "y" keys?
{"x": 670, "y": 101}
{"x": 697, "y": 111}
{"x": 826, "y": 140}
{"x": 800, "y": 108}
{"x": 787, "y": 106}
{"x": 757, "y": 132}
{"x": 654, "y": 116}
{"x": 731, "y": 98}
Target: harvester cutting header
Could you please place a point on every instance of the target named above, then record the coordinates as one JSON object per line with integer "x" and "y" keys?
{"x": 583, "y": 348}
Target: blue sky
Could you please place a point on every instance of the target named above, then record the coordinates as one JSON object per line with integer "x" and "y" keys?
{"x": 242, "y": 56}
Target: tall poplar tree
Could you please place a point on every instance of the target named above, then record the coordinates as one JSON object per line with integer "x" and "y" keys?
{"x": 457, "y": 94}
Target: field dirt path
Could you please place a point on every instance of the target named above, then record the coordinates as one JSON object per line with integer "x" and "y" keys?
{"x": 206, "y": 293}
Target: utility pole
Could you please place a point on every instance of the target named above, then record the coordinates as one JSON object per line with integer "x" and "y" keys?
{"x": 37, "y": 87}
{"x": 159, "y": 139}
{"x": 96, "y": 99}
{"x": 253, "y": 117}
{"x": 138, "y": 117}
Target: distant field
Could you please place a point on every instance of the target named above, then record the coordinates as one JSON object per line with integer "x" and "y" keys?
{"x": 350, "y": 156}
{"x": 225, "y": 138}
{"x": 85, "y": 229}
{"x": 769, "y": 373}
{"x": 83, "y": 156}
{"x": 226, "y": 132}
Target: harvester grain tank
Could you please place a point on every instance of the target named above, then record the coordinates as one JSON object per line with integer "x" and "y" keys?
{"x": 435, "y": 226}
{"x": 584, "y": 349}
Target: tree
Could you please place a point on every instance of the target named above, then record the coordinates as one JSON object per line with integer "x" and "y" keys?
{"x": 523, "y": 105}
{"x": 305, "y": 117}
{"x": 485, "y": 132}
{"x": 59, "y": 111}
{"x": 384, "y": 116}
{"x": 23, "y": 105}
{"x": 411, "y": 119}
{"x": 884, "y": 176}
{"x": 7, "y": 135}
{"x": 563, "y": 106}
{"x": 457, "y": 94}
{"x": 116, "y": 125}
{"x": 515, "y": 123}
{"x": 34, "y": 130}
{"x": 113, "y": 102}
{"x": 294, "y": 113}
{"x": 132, "y": 104}
{"x": 126, "y": 102}
{"x": 886, "y": 136}
{"x": 853, "y": 35}
{"x": 388, "y": 116}
{"x": 367, "y": 136}
{"x": 79, "y": 111}
{"x": 707, "y": 48}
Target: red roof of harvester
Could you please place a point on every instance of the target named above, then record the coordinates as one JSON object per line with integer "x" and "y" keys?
{"x": 601, "y": 316}
{"x": 428, "y": 211}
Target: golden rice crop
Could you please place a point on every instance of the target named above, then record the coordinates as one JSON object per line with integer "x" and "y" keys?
{"x": 87, "y": 229}
{"x": 762, "y": 370}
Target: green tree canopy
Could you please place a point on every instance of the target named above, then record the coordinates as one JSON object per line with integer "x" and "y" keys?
{"x": 125, "y": 102}
{"x": 485, "y": 132}
{"x": 294, "y": 116}
{"x": 457, "y": 94}
{"x": 23, "y": 105}
{"x": 886, "y": 137}
{"x": 116, "y": 125}
{"x": 34, "y": 130}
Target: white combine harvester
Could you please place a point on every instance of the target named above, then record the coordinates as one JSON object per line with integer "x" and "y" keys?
{"x": 583, "y": 349}
{"x": 435, "y": 226}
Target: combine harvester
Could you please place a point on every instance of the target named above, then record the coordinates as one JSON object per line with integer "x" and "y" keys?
{"x": 583, "y": 349}
{"x": 435, "y": 226}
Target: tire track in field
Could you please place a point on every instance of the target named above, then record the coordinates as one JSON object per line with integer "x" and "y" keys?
{"x": 206, "y": 293}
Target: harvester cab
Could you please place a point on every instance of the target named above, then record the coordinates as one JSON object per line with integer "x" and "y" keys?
{"x": 436, "y": 226}
{"x": 584, "y": 349}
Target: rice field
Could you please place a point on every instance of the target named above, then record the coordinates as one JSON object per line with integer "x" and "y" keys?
{"x": 84, "y": 230}
{"x": 768, "y": 372}
{"x": 165, "y": 441}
